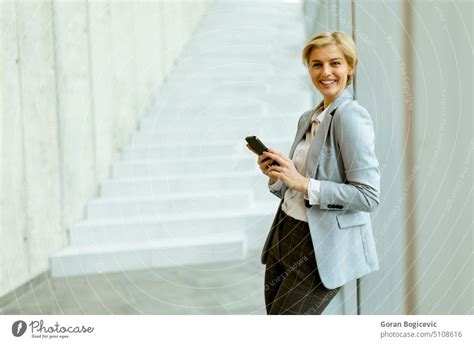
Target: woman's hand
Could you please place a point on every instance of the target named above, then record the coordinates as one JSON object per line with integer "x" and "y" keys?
{"x": 286, "y": 172}
{"x": 264, "y": 165}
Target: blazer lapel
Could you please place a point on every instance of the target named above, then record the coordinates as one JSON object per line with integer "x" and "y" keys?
{"x": 305, "y": 123}
{"x": 314, "y": 152}
{"x": 303, "y": 128}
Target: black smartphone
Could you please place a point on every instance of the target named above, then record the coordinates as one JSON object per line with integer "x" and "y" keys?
{"x": 258, "y": 146}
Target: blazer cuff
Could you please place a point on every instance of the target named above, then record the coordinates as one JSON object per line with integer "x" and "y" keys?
{"x": 314, "y": 191}
{"x": 275, "y": 187}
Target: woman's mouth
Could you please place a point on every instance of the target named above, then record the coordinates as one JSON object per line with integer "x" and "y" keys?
{"x": 327, "y": 83}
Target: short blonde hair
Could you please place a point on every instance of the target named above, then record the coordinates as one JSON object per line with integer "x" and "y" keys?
{"x": 342, "y": 40}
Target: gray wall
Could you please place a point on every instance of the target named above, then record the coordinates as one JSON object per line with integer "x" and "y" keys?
{"x": 76, "y": 76}
{"x": 415, "y": 78}
{"x": 442, "y": 115}
{"x": 379, "y": 88}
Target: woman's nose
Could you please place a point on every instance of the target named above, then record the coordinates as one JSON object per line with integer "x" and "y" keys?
{"x": 326, "y": 71}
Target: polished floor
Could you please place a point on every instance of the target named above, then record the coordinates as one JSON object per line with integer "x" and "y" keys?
{"x": 223, "y": 288}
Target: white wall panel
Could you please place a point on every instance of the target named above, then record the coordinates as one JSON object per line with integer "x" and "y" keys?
{"x": 74, "y": 98}
{"x": 124, "y": 77}
{"x": 14, "y": 256}
{"x": 100, "y": 50}
{"x": 76, "y": 76}
{"x": 442, "y": 64}
{"x": 379, "y": 89}
{"x": 41, "y": 143}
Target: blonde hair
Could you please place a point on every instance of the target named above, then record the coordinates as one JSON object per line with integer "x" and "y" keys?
{"x": 342, "y": 40}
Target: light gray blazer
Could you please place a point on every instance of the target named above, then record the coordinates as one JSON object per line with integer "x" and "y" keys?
{"x": 342, "y": 157}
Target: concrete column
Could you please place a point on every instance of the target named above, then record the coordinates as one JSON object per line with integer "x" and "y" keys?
{"x": 124, "y": 77}
{"x": 443, "y": 146}
{"x": 45, "y": 233}
{"x": 74, "y": 99}
{"x": 100, "y": 50}
{"x": 14, "y": 254}
{"x": 379, "y": 88}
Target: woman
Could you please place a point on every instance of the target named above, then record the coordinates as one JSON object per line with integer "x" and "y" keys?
{"x": 321, "y": 237}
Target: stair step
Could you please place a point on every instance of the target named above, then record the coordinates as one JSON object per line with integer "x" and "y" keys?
{"x": 205, "y": 137}
{"x": 225, "y": 126}
{"x": 178, "y": 185}
{"x": 74, "y": 261}
{"x": 186, "y": 166}
{"x": 204, "y": 150}
{"x": 227, "y": 90}
{"x": 214, "y": 131}
{"x": 262, "y": 79}
{"x": 133, "y": 187}
{"x": 217, "y": 56}
{"x": 166, "y": 202}
{"x": 249, "y": 33}
{"x": 271, "y": 105}
{"x": 203, "y": 110}
{"x": 285, "y": 23}
{"x": 226, "y": 69}
{"x": 129, "y": 230}
{"x": 258, "y": 11}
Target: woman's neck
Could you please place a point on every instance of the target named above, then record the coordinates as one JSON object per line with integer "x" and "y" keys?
{"x": 328, "y": 102}
{"x": 326, "y": 105}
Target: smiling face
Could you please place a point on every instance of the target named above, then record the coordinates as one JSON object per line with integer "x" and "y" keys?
{"x": 329, "y": 70}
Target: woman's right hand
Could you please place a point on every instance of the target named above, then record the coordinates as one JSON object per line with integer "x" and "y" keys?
{"x": 264, "y": 162}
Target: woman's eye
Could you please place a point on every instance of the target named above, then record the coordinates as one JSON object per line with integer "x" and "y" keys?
{"x": 337, "y": 63}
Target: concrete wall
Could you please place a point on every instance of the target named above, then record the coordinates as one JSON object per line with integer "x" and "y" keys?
{"x": 443, "y": 146}
{"x": 76, "y": 76}
{"x": 415, "y": 79}
{"x": 379, "y": 88}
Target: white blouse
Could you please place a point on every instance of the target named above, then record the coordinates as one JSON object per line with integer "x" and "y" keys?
{"x": 293, "y": 202}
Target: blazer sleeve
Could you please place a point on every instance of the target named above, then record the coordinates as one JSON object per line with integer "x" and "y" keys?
{"x": 356, "y": 141}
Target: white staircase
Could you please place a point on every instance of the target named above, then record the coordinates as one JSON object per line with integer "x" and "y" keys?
{"x": 186, "y": 190}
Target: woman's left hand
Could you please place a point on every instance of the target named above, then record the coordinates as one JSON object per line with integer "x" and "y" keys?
{"x": 287, "y": 172}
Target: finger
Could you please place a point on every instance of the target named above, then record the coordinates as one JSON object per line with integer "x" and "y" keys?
{"x": 250, "y": 148}
{"x": 270, "y": 154}
{"x": 267, "y": 163}
{"x": 274, "y": 151}
{"x": 275, "y": 174}
{"x": 266, "y": 166}
{"x": 275, "y": 168}
{"x": 279, "y": 159}
{"x": 263, "y": 158}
